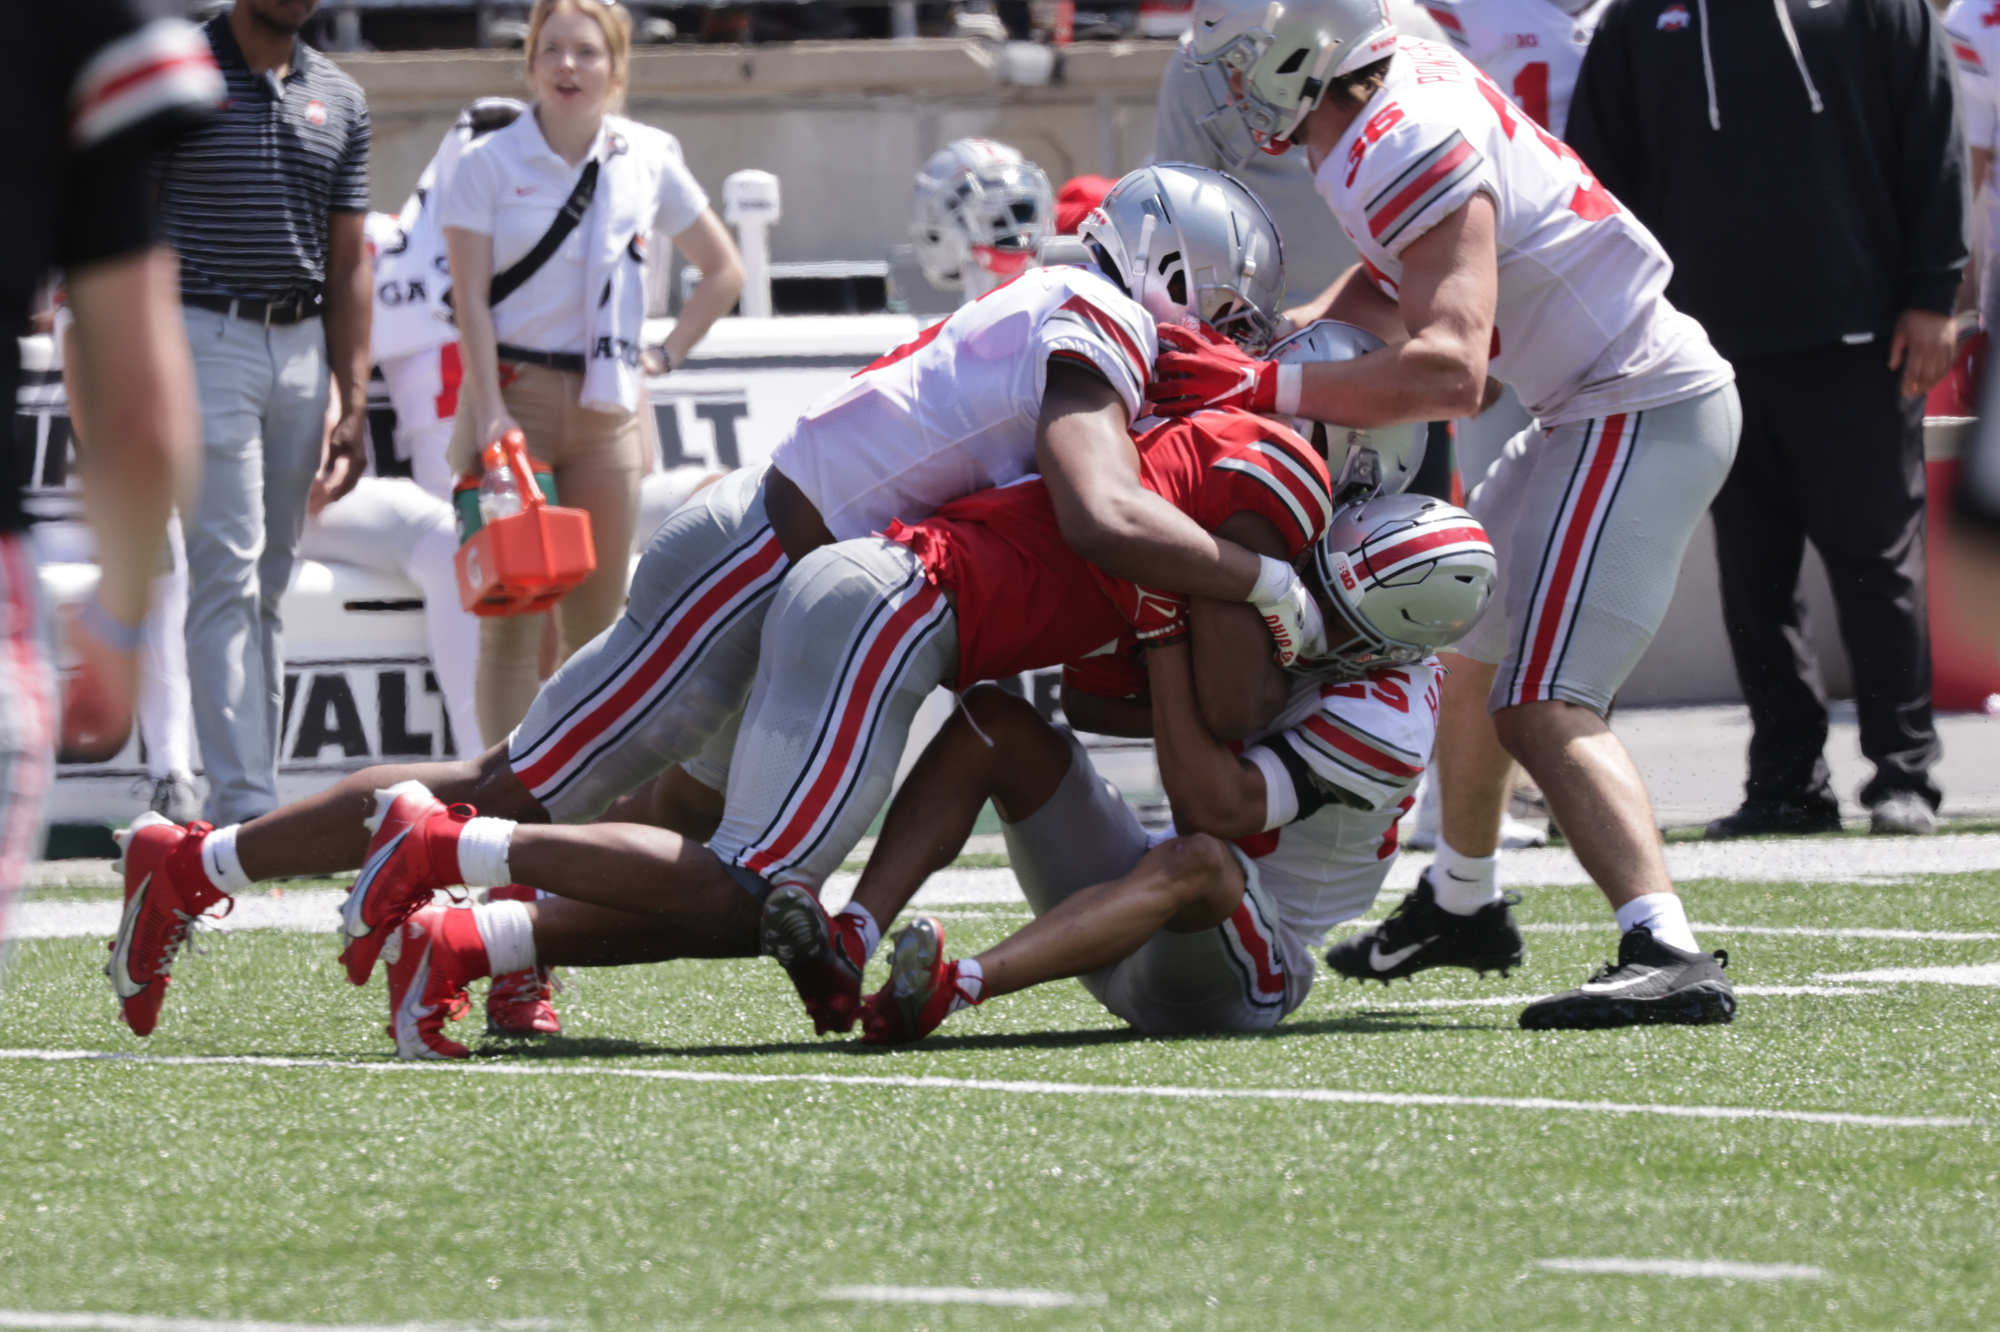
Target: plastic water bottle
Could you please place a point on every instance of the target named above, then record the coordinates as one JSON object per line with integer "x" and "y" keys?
{"x": 499, "y": 492}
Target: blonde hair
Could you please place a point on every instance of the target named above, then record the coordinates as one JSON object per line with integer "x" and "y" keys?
{"x": 613, "y": 20}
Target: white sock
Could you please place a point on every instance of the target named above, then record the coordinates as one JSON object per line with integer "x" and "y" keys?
{"x": 871, "y": 933}
{"x": 482, "y": 853}
{"x": 1462, "y": 884}
{"x": 218, "y": 859}
{"x": 508, "y": 934}
{"x": 1665, "y": 915}
{"x": 971, "y": 985}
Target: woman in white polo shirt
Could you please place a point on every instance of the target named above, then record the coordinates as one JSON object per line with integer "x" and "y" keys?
{"x": 551, "y": 215}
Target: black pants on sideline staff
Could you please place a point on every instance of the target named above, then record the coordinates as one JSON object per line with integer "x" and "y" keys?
{"x": 1832, "y": 453}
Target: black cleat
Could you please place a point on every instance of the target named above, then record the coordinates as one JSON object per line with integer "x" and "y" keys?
{"x": 1651, "y": 982}
{"x": 1420, "y": 934}
{"x": 1767, "y": 818}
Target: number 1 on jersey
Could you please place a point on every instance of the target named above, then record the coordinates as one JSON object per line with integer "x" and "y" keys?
{"x": 1531, "y": 90}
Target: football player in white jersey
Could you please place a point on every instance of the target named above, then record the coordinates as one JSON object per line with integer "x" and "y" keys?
{"x": 1497, "y": 248}
{"x": 978, "y": 212}
{"x": 1974, "y": 29}
{"x": 1531, "y": 48}
{"x": 1042, "y": 376}
{"x": 1200, "y": 934}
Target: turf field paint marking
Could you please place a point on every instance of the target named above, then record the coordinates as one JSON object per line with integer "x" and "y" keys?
{"x": 1985, "y": 976}
{"x": 1784, "y": 931}
{"x": 1705, "y": 1268}
{"x": 1517, "y": 1000}
{"x": 1310, "y": 1095}
{"x": 1014, "y": 1299}
{"x": 116, "y": 1322}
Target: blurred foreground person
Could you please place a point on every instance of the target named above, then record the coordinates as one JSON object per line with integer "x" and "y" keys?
{"x": 87, "y": 90}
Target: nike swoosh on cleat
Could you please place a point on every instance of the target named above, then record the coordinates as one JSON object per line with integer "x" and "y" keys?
{"x": 1618, "y": 987}
{"x": 351, "y": 922}
{"x": 120, "y": 970}
{"x": 1382, "y": 961}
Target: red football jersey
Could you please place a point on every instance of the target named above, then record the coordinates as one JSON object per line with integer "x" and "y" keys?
{"x": 1025, "y": 600}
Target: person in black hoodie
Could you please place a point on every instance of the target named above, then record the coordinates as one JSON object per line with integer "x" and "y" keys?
{"x": 1800, "y": 160}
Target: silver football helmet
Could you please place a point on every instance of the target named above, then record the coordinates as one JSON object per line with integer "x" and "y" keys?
{"x": 977, "y": 213}
{"x": 1190, "y": 243}
{"x": 1400, "y": 576}
{"x": 1364, "y": 463}
{"x": 1284, "y": 54}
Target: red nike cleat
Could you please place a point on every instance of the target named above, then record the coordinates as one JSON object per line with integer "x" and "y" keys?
{"x": 430, "y": 958}
{"x": 520, "y": 1003}
{"x": 822, "y": 956}
{"x": 166, "y": 892}
{"x": 923, "y": 988}
{"x": 414, "y": 850}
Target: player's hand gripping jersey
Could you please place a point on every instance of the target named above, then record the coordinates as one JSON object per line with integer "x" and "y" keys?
{"x": 955, "y": 409}
{"x": 1582, "y": 327}
{"x": 1025, "y": 600}
{"x": 1531, "y": 48}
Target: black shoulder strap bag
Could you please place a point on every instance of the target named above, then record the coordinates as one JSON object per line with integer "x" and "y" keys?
{"x": 507, "y": 283}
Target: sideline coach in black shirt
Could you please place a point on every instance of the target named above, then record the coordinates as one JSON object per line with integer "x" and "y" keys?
{"x": 1801, "y": 162}
{"x": 87, "y": 89}
{"x": 265, "y": 204}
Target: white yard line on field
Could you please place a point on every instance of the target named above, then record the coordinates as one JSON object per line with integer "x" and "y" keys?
{"x": 70, "y": 1321}
{"x": 1516, "y": 1000}
{"x": 1987, "y": 976}
{"x": 1018, "y": 1087}
{"x": 1015, "y": 1299}
{"x": 1710, "y": 1268}
{"x": 1784, "y": 931}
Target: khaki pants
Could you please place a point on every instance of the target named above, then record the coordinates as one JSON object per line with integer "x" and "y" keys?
{"x": 598, "y": 459}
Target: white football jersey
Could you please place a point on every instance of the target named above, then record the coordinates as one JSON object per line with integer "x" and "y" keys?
{"x": 1973, "y": 27}
{"x": 1582, "y": 327}
{"x": 412, "y": 272}
{"x": 1369, "y": 740}
{"x": 954, "y": 410}
{"x": 1531, "y": 48}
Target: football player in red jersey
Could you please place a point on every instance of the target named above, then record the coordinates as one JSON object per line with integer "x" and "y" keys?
{"x": 863, "y": 631}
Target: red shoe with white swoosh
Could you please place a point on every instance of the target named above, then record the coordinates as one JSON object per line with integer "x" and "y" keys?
{"x": 166, "y": 893}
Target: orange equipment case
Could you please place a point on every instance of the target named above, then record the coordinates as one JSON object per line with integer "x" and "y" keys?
{"x": 525, "y": 562}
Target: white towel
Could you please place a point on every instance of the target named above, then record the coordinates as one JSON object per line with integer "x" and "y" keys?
{"x": 614, "y": 230}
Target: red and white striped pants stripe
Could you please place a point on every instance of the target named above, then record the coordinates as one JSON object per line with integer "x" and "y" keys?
{"x": 1590, "y": 520}
{"x": 856, "y": 640}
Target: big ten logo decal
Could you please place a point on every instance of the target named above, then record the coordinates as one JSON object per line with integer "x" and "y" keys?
{"x": 382, "y": 430}
{"x": 346, "y": 714}
{"x": 699, "y": 427}
{"x": 1041, "y": 688}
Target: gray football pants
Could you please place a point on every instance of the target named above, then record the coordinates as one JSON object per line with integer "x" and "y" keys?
{"x": 1590, "y": 520}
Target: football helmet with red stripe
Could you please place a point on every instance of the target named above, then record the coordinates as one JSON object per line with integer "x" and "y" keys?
{"x": 978, "y": 212}
{"x": 1282, "y": 56}
{"x": 1364, "y": 463}
{"x": 1399, "y": 576}
{"x": 1192, "y": 245}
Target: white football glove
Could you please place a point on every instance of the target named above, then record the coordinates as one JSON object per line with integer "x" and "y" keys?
{"x": 1289, "y": 611}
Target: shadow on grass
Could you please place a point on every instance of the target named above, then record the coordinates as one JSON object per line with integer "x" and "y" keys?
{"x": 1358, "y": 1024}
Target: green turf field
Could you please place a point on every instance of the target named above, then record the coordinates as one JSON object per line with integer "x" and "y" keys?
{"x": 636, "y": 1173}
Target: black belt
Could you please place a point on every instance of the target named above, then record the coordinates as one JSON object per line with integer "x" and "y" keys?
{"x": 569, "y": 361}
{"x": 292, "y": 309}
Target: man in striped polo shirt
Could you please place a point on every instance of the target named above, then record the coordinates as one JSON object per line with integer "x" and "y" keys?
{"x": 265, "y": 205}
